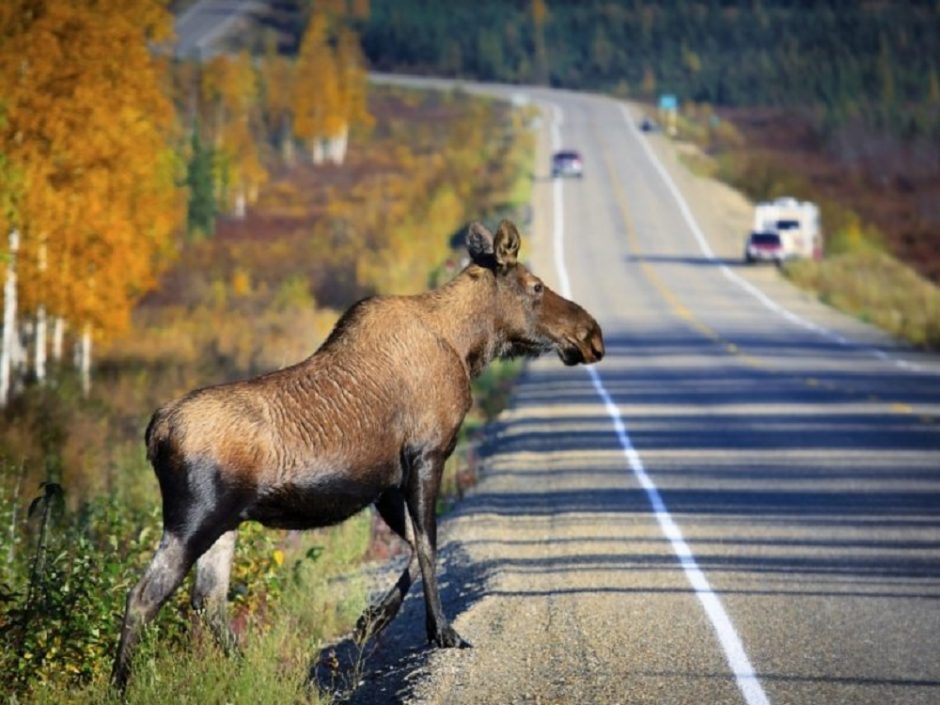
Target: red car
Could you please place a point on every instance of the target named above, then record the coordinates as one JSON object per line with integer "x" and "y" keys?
{"x": 763, "y": 247}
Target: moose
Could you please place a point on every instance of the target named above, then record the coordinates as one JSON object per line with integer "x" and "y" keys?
{"x": 368, "y": 419}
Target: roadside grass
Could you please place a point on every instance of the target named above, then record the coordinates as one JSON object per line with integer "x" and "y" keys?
{"x": 876, "y": 288}
{"x": 319, "y": 597}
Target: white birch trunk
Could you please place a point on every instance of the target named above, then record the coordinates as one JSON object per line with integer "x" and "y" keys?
{"x": 287, "y": 150}
{"x": 316, "y": 150}
{"x": 19, "y": 359}
{"x": 9, "y": 320}
{"x": 338, "y": 145}
{"x": 84, "y": 365}
{"x": 287, "y": 144}
{"x": 58, "y": 338}
{"x": 39, "y": 360}
{"x": 240, "y": 203}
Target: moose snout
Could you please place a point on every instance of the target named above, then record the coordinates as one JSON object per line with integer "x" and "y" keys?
{"x": 575, "y": 333}
{"x": 592, "y": 344}
{"x": 596, "y": 342}
{"x": 586, "y": 346}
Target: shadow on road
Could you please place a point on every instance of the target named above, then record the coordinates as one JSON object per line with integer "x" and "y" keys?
{"x": 694, "y": 261}
{"x": 379, "y": 672}
{"x": 812, "y": 490}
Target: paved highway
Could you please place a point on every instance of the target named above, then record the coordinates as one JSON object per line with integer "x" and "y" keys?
{"x": 206, "y": 23}
{"x": 740, "y": 504}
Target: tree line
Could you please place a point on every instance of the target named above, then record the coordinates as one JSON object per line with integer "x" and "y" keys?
{"x": 111, "y": 152}
{"x": 874, "y": 62}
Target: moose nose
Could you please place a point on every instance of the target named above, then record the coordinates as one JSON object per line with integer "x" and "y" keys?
{"x": 597, "y": 343}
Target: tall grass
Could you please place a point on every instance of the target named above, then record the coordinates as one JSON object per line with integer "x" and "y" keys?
{"x": 177, "y": 659}
{"x": 876, "y": 288}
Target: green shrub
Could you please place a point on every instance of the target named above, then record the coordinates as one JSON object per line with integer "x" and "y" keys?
{"x": 61, "y": 604}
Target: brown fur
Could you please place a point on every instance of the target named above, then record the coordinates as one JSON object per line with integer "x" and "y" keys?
{"x": 369, "y": 418}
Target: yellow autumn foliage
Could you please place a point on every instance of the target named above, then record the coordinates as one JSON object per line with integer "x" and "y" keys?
{"x": 87, "y": 127}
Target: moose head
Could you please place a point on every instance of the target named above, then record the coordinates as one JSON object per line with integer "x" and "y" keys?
{"x": 533, "y": 319}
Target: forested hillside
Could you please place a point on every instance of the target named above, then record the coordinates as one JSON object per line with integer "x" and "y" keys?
{"x": 873, "y": 61}
{"x": 111, "y": 155}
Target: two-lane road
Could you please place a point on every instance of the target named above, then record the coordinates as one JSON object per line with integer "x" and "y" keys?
{"x": 740, "y": 504}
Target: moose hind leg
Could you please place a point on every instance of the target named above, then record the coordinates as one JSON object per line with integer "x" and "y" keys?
{"x": 163, "y": 576}
{"x": 210, "y": 589}
{"x": 391, "y": 507}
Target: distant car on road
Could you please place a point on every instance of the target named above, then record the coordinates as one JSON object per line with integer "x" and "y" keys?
{"x": 567, "y": 163}
{"x": 764, "y": 247}
{"x": 648, "y": 125}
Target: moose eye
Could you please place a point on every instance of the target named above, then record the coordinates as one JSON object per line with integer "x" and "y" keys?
{"x": 538, "y": 287}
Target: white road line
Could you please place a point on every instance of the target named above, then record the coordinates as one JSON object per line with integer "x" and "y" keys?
{"x": 730, "y": 641}
{"x": 558, "y": 220}
{"x": 731, "y": 276}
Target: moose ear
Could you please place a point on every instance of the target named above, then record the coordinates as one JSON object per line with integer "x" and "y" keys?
{"x": 480, "y": 244}
{"x": 506, "y": 244}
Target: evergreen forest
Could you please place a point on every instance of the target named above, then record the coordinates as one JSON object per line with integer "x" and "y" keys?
{"x": 874, "y": 63}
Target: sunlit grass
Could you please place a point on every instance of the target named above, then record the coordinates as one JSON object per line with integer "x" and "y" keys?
{"x": 878, "y": 289}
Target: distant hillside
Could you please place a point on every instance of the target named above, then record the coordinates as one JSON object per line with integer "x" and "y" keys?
{"x": 874, "y": 61}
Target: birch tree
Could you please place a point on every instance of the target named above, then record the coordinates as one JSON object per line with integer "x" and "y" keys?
{"x": 9, "y": 318}
{"x": 352, "y": 107}
{"x": 88, "y": 127}
{"x": 316, "y": 87}
{"x": 231, "y": 104}
{"x": 277, "y": 76}
{"x": 329, "y": 84}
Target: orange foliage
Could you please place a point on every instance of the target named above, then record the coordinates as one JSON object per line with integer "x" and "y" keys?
{"x": 87, "y": 131}
{"x": 316, "y": 92}
{"x": 230, "y": 93}
{"x": 330, "y": 79}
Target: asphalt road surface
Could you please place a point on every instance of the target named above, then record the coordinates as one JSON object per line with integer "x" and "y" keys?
{"x": 740, "y": 504}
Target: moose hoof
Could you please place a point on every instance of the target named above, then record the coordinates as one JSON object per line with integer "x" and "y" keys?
{"x": 447, "y": 638}
{"x": 371, "y": 622}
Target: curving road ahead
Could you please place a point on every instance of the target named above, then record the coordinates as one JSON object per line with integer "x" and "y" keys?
{"x": 740, "y": 504}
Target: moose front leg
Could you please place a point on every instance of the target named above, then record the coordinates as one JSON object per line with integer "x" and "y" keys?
{"x": 424, "y": 483}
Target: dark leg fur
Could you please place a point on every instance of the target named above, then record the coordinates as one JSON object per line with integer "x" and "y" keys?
{"x": 391, "y": 507}
{"x": 425, "y": 479}
{"x": 192, "y": 524}
{"x": 166, "y": 571}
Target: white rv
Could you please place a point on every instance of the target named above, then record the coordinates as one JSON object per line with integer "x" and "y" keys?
{"x": 796, "y": 222}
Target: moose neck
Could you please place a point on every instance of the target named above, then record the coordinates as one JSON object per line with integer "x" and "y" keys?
{"x": 464, "y": 312}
